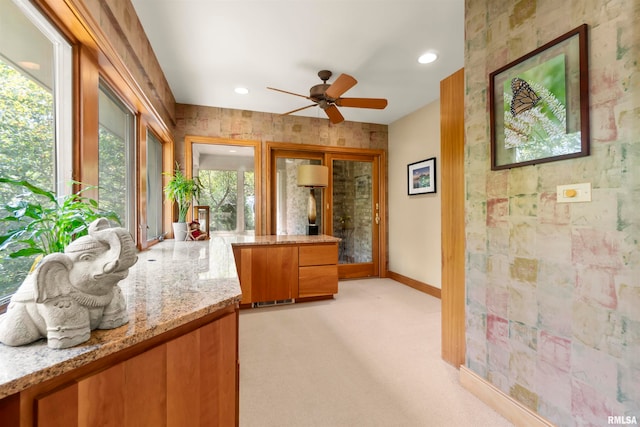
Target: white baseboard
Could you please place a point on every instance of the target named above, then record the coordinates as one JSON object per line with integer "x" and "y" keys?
{"x": 503, "y": 404}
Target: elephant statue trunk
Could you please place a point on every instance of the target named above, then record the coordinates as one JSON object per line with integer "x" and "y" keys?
{"x": 70, "y": 294}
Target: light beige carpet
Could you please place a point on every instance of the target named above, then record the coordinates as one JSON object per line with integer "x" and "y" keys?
{"x": 369, "y": 357}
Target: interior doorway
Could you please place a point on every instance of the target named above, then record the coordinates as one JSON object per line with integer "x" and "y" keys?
{"x": 229, "y": 171}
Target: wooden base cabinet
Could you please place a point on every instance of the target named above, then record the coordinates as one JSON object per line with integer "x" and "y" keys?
{"x": 282, "y": 272}
{"x": 189, "y": 380}
{"x": 318, "y": 270}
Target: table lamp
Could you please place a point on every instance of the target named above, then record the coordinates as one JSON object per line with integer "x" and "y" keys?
{"x": 312, "y": 176}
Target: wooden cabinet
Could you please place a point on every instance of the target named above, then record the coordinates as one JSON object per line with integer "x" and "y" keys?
{"x": 275, "y": 272}
{"x": 318, "y": 270}
{"x": 188, "y": 380}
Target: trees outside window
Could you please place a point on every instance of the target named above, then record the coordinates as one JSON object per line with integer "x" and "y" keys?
{"x": 223, "y": 192}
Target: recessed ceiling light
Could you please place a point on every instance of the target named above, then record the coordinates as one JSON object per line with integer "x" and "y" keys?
{"x": 427, "y": 58}
{"x": 242, "y": 90}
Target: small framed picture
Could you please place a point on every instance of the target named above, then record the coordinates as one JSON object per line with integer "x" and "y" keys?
{"x": 422, "y": 177}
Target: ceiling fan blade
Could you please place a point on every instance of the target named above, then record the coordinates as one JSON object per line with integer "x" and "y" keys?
{"x": 290, "y": 93}
{"x": 340, "y": 86}
{"x": 377, "y": 103}
{"x": 298, "y": 109}
{"x": 334, "y": 114}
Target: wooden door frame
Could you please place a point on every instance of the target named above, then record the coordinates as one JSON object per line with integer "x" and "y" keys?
{"x": 347, "y": 271}
{"x": 453, "y": 219}
{"x": 326, "y": 151}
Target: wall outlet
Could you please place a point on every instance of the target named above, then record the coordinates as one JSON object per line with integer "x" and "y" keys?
{"x": 574, "y": 193}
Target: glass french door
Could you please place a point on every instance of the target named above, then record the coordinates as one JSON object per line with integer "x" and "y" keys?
{"x": 354, "y": 212}
{"x": 349, "y": 208}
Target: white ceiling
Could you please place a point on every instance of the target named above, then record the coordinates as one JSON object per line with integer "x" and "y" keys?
{"x": 206, "y": 48}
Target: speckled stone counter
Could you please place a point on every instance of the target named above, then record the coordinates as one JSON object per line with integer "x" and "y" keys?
{"x": 171, "y": 285}
{"x": 284, "y": 240}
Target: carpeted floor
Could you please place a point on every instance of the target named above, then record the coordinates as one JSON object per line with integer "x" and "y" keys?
{"x": 369, "y": 357}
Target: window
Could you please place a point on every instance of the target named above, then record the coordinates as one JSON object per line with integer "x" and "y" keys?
{"x": 154, "y": 187}
{"x": 35, "y": 112}
{"x": 116, "y": 163}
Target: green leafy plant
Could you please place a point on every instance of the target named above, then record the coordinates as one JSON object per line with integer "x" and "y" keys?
{"x": 182, "y": 190}
{"x": 39, "y": 222}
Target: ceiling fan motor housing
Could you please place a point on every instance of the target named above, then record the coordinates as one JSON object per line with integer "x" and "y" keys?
{"x": 317, "y": 92}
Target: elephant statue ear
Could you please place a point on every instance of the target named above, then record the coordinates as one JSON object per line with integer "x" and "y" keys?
{"x": 99, "y": 225}
{"x": 52, "y": 277}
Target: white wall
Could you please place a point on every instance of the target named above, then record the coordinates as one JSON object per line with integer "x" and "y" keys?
{"x": 414, "y": 221}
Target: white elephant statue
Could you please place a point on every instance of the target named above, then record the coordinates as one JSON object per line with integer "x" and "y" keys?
{"x": 69, "y": 294}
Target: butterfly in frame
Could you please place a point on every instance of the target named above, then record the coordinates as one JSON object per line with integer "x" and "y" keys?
{"x": 524, "y": 97}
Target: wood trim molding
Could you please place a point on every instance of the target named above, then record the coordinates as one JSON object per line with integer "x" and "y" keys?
{"x": 292, "y": 146}
{"x": 503, "y": 404}
{"x": 415, "y": 284}
{"x": 453, "y": 220}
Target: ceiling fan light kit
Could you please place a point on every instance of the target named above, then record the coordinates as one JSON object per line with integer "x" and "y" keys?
{"x": 328, "y": 97}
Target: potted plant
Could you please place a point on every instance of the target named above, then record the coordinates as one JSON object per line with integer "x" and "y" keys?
{"x": 181, "y": 190}
{"x": 38, "y": 222}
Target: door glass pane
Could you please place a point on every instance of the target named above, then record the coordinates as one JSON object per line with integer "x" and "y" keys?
{"x": 292, "y": 202}
{"x": 154, "y": 187}
{"x": 353, "y": 210}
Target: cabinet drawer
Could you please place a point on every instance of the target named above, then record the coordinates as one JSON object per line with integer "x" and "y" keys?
{"x": 318, "y": 254}
{"x": 318, "y": 280}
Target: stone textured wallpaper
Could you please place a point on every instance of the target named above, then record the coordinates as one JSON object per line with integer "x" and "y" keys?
{"x": 553, "y": 290}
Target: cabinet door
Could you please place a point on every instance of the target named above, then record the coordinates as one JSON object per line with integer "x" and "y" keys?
{"x": 183, "y": 380}
{"x": 318, "y": 254}
{"x": 145, "y": 387}
{"x": 274, "y": 273}
{"x": 219, "y": 373}
{"x": 319, "y": 280}
{"x": 58, "y": 409}
{"x": 101, "y": 398}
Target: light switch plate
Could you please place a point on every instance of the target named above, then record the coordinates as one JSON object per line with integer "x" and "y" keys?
{"x": 574, "y": 193}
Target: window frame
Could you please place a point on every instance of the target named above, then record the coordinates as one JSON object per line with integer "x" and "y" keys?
{"x": 63, "y": 95}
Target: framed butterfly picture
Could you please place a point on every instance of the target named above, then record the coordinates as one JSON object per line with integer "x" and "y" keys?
{"x": 539, "y": 104}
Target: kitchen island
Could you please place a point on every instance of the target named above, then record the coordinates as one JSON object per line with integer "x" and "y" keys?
{"x": 286, "y": 268}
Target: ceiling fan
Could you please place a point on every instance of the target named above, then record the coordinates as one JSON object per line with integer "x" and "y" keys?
{"x": 328, "y": 96}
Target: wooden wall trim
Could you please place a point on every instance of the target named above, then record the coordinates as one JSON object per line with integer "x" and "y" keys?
{"x": 415, "y": 284}
{"x": 453, "y": 220}
{"x": 291, "y": 146}
{"x": 503, "y": 404}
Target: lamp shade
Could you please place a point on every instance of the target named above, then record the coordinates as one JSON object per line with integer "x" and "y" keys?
{"x": 313, "y": 176}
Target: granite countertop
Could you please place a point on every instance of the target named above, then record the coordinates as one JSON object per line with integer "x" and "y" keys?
{"x": 284, "y": 240}
{"x": 172, "y": 284}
